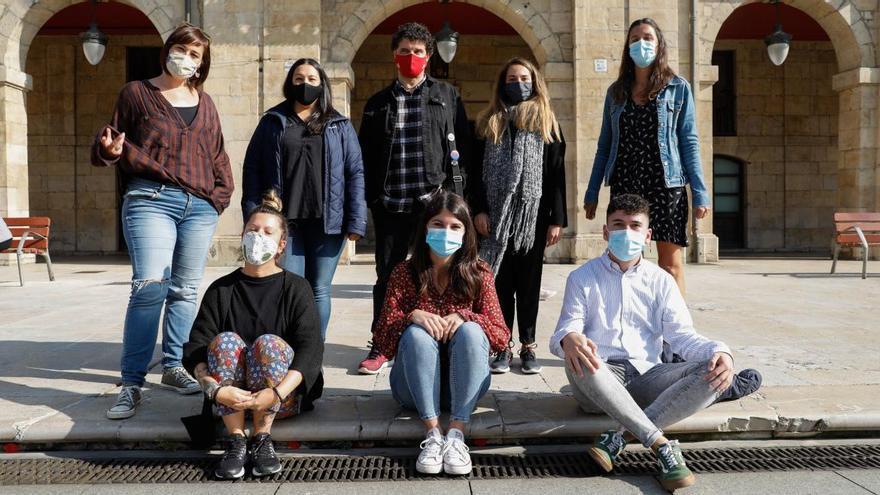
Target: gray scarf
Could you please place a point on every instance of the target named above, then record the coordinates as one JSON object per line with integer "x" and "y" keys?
{"x": 513, "y": 176}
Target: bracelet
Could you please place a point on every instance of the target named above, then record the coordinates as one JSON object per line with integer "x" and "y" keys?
{"x": 277, "y": 395}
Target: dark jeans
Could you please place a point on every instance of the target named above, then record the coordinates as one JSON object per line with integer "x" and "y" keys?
{"x": 518, "y": 285}
{"x": 394, "y": 237}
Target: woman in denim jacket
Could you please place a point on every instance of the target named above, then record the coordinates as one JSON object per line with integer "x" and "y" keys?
{"x": 649, "y": 144}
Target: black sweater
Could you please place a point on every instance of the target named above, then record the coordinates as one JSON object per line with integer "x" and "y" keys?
{"x": 301, "y": 329}
{"x": 552, "y": 210}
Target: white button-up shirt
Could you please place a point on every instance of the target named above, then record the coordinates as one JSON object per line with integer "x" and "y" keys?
{"x": 629, "y": 314}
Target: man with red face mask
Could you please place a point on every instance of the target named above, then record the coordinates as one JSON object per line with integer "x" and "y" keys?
{"x": 409, "y": 134}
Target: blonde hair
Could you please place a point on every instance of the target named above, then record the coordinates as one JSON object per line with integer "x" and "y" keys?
{"x": 271, "y": 204}
{"x": 532, "y": 115}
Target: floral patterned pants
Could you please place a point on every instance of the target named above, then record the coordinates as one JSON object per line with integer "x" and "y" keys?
{"x": 262, "y": 365}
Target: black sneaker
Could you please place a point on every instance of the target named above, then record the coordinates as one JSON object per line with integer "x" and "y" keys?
{"x": 501, "y": 363}
{"x": 231, "y": 465}
{"x": 746, "y": 382}
{"x": 530, "y": 364}
{"x": 265, "y": 460}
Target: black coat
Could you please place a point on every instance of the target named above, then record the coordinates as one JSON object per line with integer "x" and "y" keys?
{"x": 302, "y": 330}
{"x": 443, "y": 113}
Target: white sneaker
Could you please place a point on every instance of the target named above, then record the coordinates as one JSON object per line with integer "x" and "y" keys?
{"x": 456, "y": 459}
{"x": 431, "y": 458}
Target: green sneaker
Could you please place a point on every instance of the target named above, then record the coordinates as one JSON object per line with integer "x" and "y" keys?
{"x": 608, "y": 446}
{"x": 675, "y": 474}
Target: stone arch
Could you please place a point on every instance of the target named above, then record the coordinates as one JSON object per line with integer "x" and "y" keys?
{"x": 528, "y": 23}
{"x": 843, "y": 21}
{"x": 26, "y": 17}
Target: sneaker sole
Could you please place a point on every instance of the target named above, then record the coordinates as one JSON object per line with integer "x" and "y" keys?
{"x": 599, "y": 458}
{"x": 457, "y": 470}
{"x": 499, "y": 371}
{"x": 236, "y": 476}
{"x": 425, "y": 469}
{"x": 260, "y": 474}
{"x": 367, "y": 371}
{"x": 120, "y": 415}
{"x": 179, "y": 390}
{"x": 533, "y": 371}
{"x": 672, "y": 485}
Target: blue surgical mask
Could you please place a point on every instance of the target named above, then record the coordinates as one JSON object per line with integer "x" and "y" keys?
{"x": 625, "y": 244}
{"x": 643, "y": 52}
{"x": 444, "y": 242}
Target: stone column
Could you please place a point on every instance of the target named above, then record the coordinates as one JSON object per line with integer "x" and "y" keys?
{"x": 13, "y": 147}
{"x": 859, "y": 156}
{"x": 704, "y": 249}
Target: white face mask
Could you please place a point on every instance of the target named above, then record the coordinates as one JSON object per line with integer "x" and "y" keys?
{"x": 181, "y": 65}
{"x": 258, "y": 248}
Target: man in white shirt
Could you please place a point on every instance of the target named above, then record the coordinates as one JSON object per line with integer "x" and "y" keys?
{"x": 618, "y": 310}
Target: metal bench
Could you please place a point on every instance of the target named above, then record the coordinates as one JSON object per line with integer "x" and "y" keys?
{"x": 30, "y": 235}
{"x": 855, "y": 230}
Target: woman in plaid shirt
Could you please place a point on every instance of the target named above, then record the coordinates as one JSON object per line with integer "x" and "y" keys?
{"x": 166, "y": 141}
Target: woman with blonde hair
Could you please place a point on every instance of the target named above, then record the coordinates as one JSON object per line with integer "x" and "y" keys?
{"x": 517, "y": 193}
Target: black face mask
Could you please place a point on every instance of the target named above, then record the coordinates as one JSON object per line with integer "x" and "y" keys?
{"x": 517, "y": 92}
{"x": 306, "y": 94}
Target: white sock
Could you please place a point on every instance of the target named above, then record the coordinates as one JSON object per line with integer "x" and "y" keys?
{"x": 455, "y": 433}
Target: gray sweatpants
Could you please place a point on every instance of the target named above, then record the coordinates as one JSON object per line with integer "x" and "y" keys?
{"x": 644, "y": 403}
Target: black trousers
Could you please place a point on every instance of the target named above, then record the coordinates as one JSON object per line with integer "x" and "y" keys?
{"x": 518, "y": 285}
{"x": 394, "y": 237}
{"x": 5, "y": 244}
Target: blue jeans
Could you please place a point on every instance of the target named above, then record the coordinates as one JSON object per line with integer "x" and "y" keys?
{"x": 429, "y": 376}
{"x": 314, "y": 255}
{"x": 168, "y": 232}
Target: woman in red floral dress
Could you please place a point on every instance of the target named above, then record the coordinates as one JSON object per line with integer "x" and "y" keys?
{"x": 440, "y": 319}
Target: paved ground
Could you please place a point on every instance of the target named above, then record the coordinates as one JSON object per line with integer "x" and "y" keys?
{"x": 802, "y": 483}
{"x": 813, "y": 336}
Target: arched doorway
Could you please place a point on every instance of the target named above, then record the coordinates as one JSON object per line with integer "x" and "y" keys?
{"x": 22, "y": 21}
{"x": 69, "y": 100}
{"x": 788, "y": 126}
{"x": 486, "y": 42}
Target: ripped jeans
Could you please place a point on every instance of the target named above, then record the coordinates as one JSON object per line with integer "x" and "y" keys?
{"x": 168, "y": 232}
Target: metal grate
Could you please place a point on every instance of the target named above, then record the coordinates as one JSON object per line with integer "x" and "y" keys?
{"x": 390, "y": 468}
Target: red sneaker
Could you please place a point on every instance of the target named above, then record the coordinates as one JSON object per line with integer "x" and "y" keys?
{"x": 374, "y": 362}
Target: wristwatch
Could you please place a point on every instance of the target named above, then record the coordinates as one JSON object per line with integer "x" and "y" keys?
{"x": 210, "y": 391}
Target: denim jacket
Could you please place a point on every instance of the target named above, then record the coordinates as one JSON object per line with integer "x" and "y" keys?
{"x": 676, "y": 135}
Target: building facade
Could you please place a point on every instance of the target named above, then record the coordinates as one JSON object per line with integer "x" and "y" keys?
{"x": 783, "y": 147}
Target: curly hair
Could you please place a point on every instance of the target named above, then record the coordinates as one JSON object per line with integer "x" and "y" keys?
{"x": 631, "y": 204}
{"x": 413, "y": 31}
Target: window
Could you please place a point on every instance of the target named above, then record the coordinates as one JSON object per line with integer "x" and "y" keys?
{"x": 724, "y": 94}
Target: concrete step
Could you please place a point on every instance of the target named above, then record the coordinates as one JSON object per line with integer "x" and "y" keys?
{"x": 501, "y": 417}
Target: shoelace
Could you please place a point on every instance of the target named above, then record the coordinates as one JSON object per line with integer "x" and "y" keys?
{"x": 432, "y": 447}
{"x": 374, "y": 351}
{"x": 458, "y": 448}
{"x": 126, "y": 397}
{"x": 668, "y": 455}
{"x": 182, "y": 376}
{"x": 237, "y": 449}
{"x": 617, "y": 443}
{"x": 265, "y": 448}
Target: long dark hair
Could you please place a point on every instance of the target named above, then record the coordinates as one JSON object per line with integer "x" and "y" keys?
{"x": 660, "y": 76}
{"x": 325, "y": 109}
{"x": 466, "y": 270}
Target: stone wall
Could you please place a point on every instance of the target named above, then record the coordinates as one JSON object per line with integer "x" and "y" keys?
{"x": 787, "y": 119}
{"x": 70, "y": 100}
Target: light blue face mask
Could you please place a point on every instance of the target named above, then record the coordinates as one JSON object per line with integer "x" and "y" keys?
{"x": 643, "y": 52}
{"x": 444, "y": 242}
{"x": 625, "y": 244}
